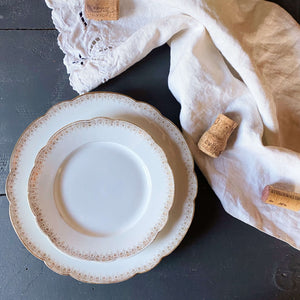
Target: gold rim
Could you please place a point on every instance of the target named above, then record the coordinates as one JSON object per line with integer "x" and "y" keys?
{"x": 42, "y": 255}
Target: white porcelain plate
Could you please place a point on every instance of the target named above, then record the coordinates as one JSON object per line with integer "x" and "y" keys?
{"x": 84, "y": 107}
{"x": 101, "y": 189}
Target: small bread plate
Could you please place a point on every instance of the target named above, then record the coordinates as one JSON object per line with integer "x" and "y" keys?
{"x": 101, "y": 189}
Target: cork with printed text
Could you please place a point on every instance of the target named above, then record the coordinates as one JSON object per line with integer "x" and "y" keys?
{"x": 102, "y": 10}
{"x": 214, "y": 141}
{"x": 281, "y": 198}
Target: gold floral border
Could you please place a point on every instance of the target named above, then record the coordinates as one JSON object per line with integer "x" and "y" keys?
{"x": 188, "y": 208}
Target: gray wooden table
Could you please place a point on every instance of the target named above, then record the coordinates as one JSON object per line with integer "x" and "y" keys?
{"x": 220, "y": 257}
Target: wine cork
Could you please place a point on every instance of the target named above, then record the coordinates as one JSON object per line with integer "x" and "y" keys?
{"x": 213, "y": 142}
{"x": 102, "y": 10}
{"x": 281, "y": 198}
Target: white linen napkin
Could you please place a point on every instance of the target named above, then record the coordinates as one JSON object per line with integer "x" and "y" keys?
{"x": 237, "y": 57}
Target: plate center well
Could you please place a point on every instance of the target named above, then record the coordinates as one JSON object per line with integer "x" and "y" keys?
{"x": 102, "y": 188}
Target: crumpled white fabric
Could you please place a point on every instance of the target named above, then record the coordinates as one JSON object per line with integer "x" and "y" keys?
{"x": 237, "y": 57}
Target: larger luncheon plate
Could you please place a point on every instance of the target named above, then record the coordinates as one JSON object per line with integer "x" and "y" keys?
{"x": 101, "y": 189}
{"x": 88, "y": 106}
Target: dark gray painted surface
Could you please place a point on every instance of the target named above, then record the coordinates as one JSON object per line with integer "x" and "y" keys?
{"x": 32, "y": 79}
{"x": 220, "y": 257}
{"x": 20, "y": 14}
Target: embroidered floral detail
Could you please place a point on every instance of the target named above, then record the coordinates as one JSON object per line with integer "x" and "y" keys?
{"x": 82, "y": 19}
{"x": 80, "y": 60}
{"x": 100, "y": 47}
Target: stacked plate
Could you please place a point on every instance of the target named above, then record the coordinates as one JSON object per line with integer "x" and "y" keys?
{"x": 101, "y": 187}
